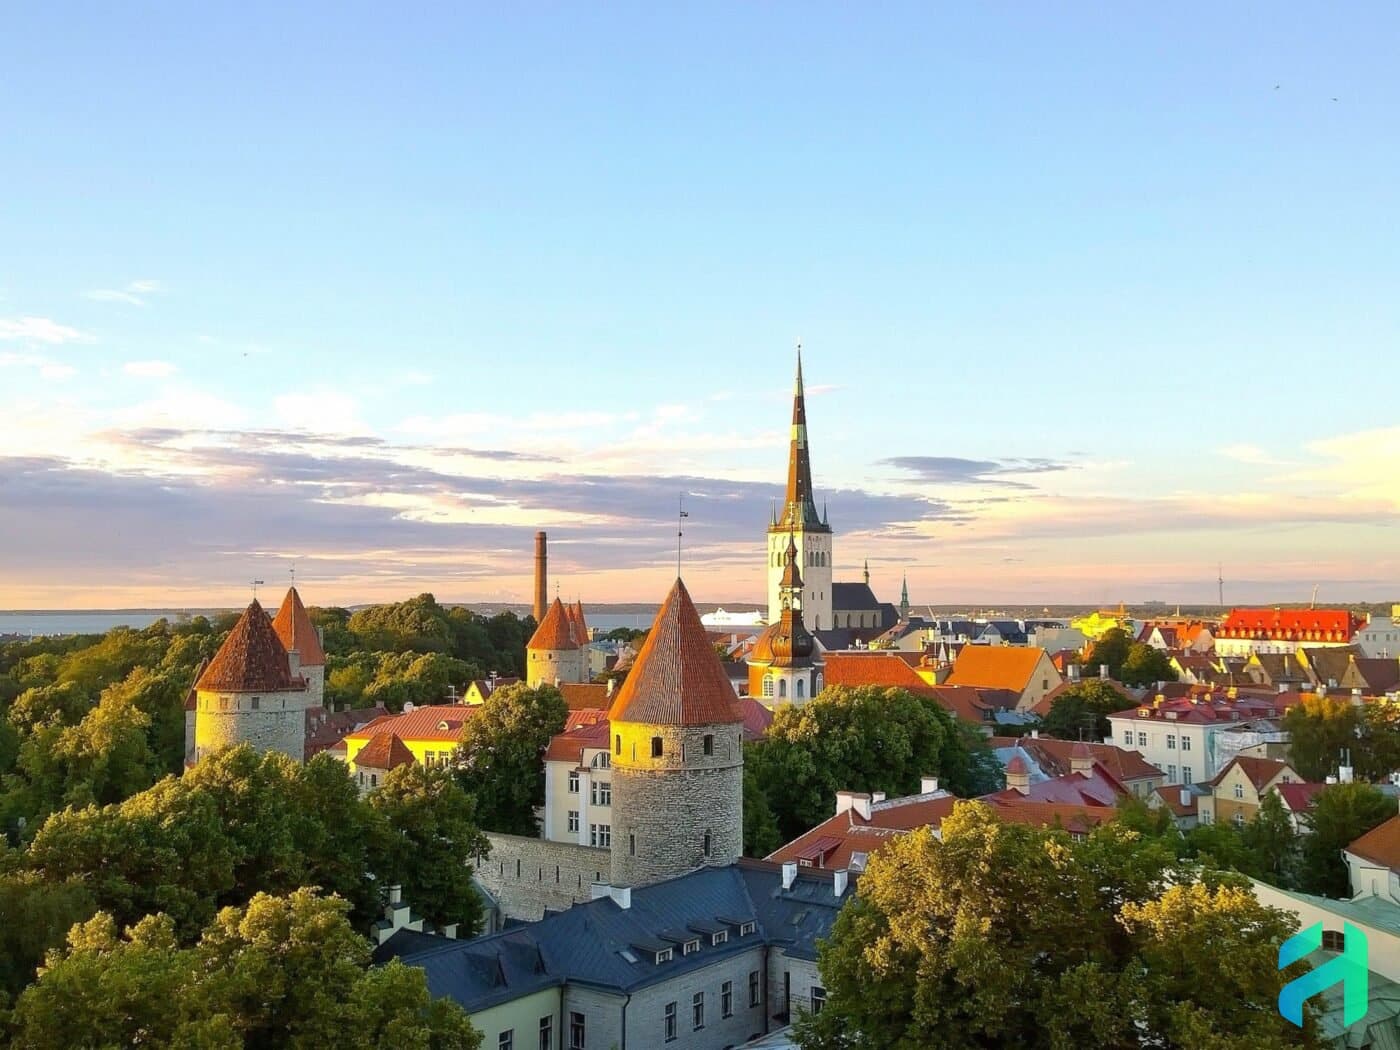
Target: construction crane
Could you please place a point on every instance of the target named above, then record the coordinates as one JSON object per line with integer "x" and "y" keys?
{"x": 1313, "y": 604}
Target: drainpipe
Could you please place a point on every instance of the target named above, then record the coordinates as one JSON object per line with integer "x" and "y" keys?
{"x": 763, "y": 988}
{"x": 624, "y": 1020}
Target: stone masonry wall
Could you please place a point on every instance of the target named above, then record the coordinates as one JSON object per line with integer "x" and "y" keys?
{"x": 277, "y": 723}
{"x": 528, "y": 875}
{"x": 663, "y": 807}
{"x": 646, "y": 1012}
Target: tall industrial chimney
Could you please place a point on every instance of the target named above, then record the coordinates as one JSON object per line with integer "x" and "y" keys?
{"x": 541, "y": 576}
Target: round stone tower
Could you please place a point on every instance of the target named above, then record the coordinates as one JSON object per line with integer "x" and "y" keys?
{"x": 553, "y": 653}
{"x": 248, "y": 694}
{"x": 302, "y": 641}
{"x": 677, "y": 755}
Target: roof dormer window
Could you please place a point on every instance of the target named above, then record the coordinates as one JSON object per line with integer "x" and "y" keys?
{"x": 719, "y": 937}
{"x": 692, "y": 945}
{"x": 664, "y": 956}
{"x": 746, "y": 928}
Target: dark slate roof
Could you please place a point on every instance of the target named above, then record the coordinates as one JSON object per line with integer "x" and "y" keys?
{"x": 854, "y": 597}
{"x": 585, "y": 944}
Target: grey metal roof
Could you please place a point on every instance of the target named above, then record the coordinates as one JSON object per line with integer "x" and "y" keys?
{"x": 585, "y": 944}
{"x": 854, "y": 596}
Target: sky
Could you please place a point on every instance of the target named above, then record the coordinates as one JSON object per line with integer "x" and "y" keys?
{"x": 1092, "y": 300}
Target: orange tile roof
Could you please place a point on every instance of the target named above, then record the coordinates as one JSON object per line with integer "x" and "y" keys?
{"x": 568, "y": 746}
{"x": 582, "y": 695}
{"x": 251, "y": 660}
{"x": 1171, "y": 798}
{"x": 580, "y": 624}
{"x": 996, "y": 666}
{"x": 1055, "y": 757}
{"x": 677, "y": 679}
{"x": 384, "y": 751}
{"x": 296, "y": 631}
{"x": 1380, "y": 845}
{"x": 556, "y": 631}
{"x": 440, "y": 722}
{"x": 872, "y": 668}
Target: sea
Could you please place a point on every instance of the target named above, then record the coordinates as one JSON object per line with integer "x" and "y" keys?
{"x": 57, "y": 622}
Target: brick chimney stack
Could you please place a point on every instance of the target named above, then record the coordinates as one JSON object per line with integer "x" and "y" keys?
{"x": 541, "y": 577}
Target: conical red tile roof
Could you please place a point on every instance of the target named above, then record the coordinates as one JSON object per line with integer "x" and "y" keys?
{"x": 580, "y": 624}
{"x": 677, "y": 679}
{"x": 556, "y": 630}
{"x": 251, "y": 660}
{"x": 296, "y": 631}
{"x": 384, "y": 751}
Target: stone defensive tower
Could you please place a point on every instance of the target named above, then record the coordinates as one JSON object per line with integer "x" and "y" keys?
{"x": 248, "y": 694}
{"x": 800, "y": 523}
{"x": 302, "y": 641}
{"x": 555, "y": 652}
{"x": 677, "y": 755}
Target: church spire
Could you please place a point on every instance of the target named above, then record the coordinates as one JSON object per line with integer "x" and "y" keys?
{"x": 904, "y": 599}
{"x": 799, "y": 510}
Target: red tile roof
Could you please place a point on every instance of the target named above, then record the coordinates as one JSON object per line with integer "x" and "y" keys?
{"x": 677, "y": 679}
{"x": 1076, "y": 819}
{"x": 1315, "y": 625}
{"x": 384, "y": 751}
{"x": 440, "y": 722}
{"x": 568, "y": 746}
{"x": 1380, "y": 845}
{"x": 1259, "y": 770}
{"x": 879, "y": 668}
{"x": 296, "y": 631}
{"x": 251, "y": 660}
{"x": 556, "y": 631}
{"x": 757, "y": 718}
{"x": 1300, "y": 798}
{"x": 1098, "y": 788}
{"x": 1055, "y": 757}
{"x": 325, "y": 729}
{"x": 996, "y": 666}
{"x": 1171, "y": 798}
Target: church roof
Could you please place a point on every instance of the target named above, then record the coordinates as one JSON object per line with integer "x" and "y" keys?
{"x": 854, "y": 597}
{"x": 296, "y": 631}
{"x": 251, "y": 660}
{"x": 556, "y": 630}
{"x": 677, "y": 679}
{"x": 799, "y": 507}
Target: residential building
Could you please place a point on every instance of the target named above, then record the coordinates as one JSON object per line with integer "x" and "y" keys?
{"x": 1181, "y": 736}
{"x": 1050, "y": 758}
{"x": 1245, "y": 631}
{"x": 1298, "y": 800}
{"x": 1238, "y": 790}
{"x": 428, "y": 735}
{"x": 1380, "y": 635}
{"x": 1183, "y": 800}
{"x": 1086, "y": 783}
{"x": 1373, "y": 864}
{"x": 478, "y": 689}
{"x": 1025, "y": 671}
{"x": 708, "y": 959}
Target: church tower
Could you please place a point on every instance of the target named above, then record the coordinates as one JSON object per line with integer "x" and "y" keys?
{"x": 801, "y": 523}
{"x": 781, "y": 668}
{"x": 677, "y": 755}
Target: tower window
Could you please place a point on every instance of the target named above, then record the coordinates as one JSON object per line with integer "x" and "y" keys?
{"x": 617, "y": 744}
{"x": 709, "y": 744}
{"x": 656, "y": 747}
{"x": 707, "y": 843}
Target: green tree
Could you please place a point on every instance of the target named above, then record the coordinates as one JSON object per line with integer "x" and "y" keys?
{"x": 1319, "y": 729}
{"x": 1272, "y": 843}
{"x": 427, "y": 844}
{"x": 417, "y": 625}
{"x": 1218, "y": 846}
{"x": 42, "y": 705}
{"x": 1111, "y": 649}
{"x": 1341, "y": 814}
{"x": 35, "y": 915}
{"x": 938, "y": 949}
{"x": 761, "y": 836}
{"x": 281, "y": 972}
{"x": 1081, "y": 711}
{"x": 866, "y": 739}
{"x": 1146, "y": 666}
{"x": 499, "y": 757}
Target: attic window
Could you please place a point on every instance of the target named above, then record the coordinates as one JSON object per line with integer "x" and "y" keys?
{"x": 719, "y": 937}
{"x": 746, "y": 928}
{"x": 664, "y": 956}
{"x": 442, "y": 726}
{"x": 692, "y": 945}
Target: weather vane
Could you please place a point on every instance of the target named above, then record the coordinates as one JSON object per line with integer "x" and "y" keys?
{"x": 256, "y": 585}
{"x": 681, "y": 515}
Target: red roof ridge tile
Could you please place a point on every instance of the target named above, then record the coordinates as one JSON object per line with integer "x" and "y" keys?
{"x": 296, "y": 631}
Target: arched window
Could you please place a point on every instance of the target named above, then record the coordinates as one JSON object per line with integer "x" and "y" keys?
{"x": 797, "y": 689}
{"x": 656, "y": 747}
{"x": 601, "y": 760}
{"x": 782, "y": 689}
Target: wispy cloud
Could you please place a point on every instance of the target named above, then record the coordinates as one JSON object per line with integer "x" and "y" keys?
{"x": 149, "y": 369}
{"x": 46, "y": 367}
{"x": 1252, "y": 454}
{"x": 133, "y": 293}
{"x": 952, "y": 470}
{"x": 40, "y": 330}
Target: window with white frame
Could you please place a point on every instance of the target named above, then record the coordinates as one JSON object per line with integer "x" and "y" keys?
{"x": 600, "y": 835}
{"x": 573, "y": 781}
{"x": 697, "y": 1011}
{"x": 1185, "y": 742}
{"x": 1171, "y": 741}
{"x": 1142, "y": 740}
{"x": 506, "y": 1040}
{"x": 1239, "y": 791}
{"x": 670, "y": 1026}
{"x": 546, "y": 1033}
{"x": 577, "y": 1031}
{"x": 573, "y": 820}
{"x": 601, "y": 794}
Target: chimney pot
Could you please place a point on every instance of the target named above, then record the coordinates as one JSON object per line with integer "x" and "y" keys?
{"x": 928, "y": 785}
{"x": 839, "y": 878}
{"x": 395, "y": 895}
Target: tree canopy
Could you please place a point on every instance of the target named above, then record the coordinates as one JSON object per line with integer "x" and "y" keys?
{"x": 863, "y": 739}
{"x": 1130, "y": 662}
{"x": 499, "y": 759}
{"x": 280, "y": 971}
{"x": 1080, "y": 711}
{"x": 1004, "y": 935}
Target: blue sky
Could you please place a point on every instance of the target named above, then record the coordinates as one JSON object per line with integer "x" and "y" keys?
{"x": 1090, "y": 299}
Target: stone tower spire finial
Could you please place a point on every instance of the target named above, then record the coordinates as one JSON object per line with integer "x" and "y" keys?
{"x": 867, "y": 572}
{"x": 904, "y": 599}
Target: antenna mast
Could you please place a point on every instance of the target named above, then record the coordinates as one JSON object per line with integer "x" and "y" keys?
{"x": 1220, "y": 582}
